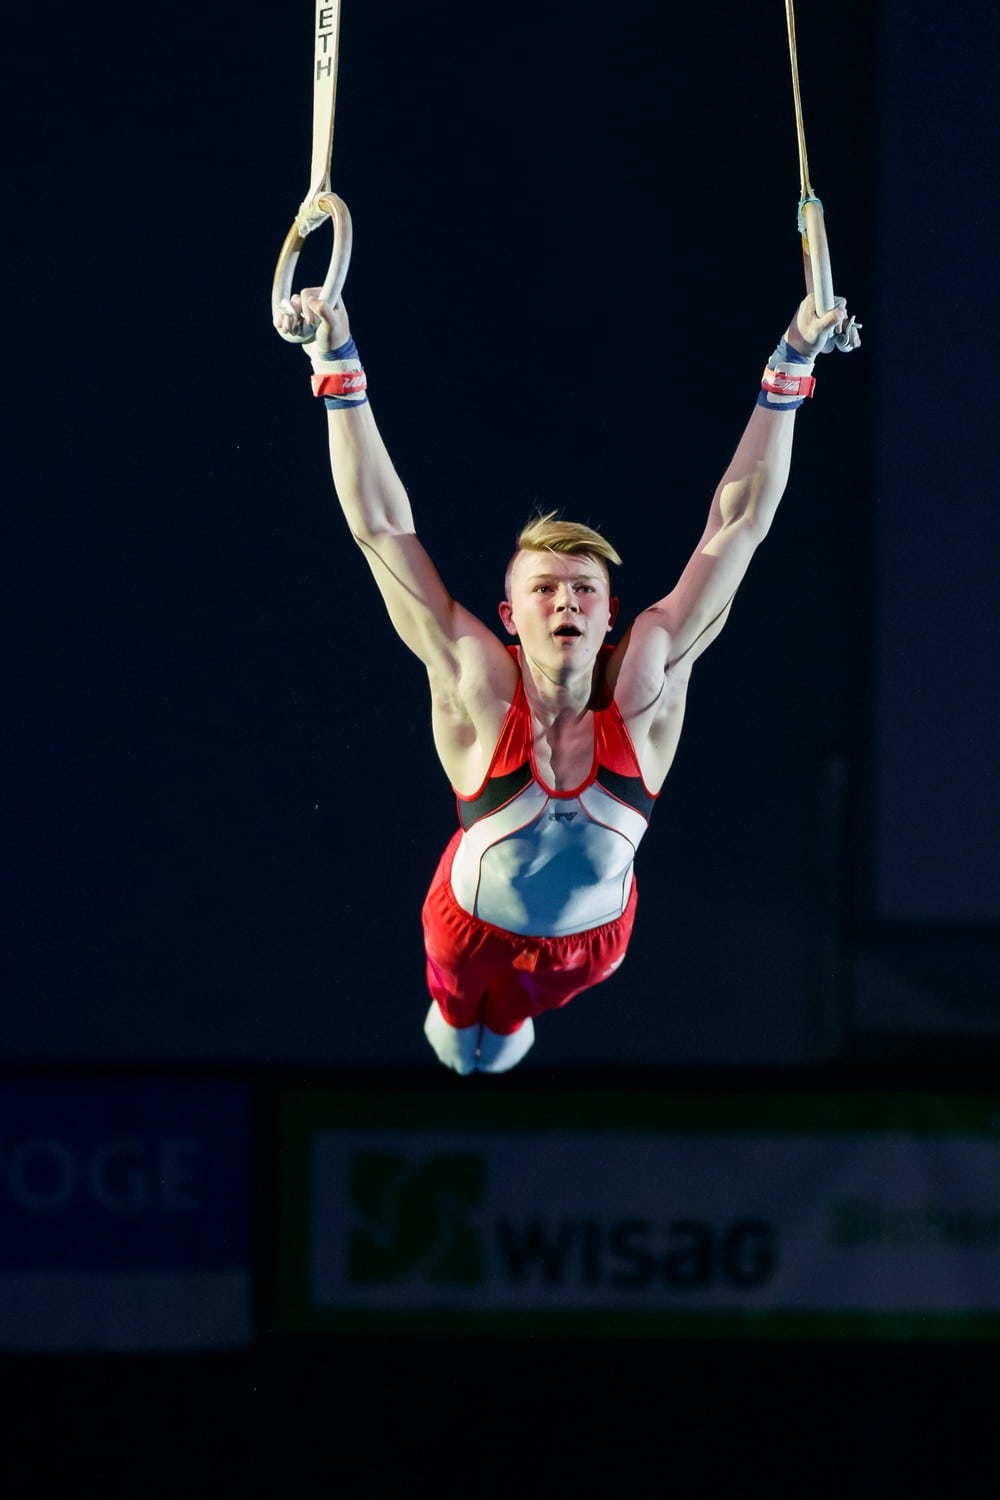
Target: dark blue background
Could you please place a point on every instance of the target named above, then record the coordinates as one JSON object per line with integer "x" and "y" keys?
{"x": 937, "y": 731}
{"x": 575, "y": 246}
{"x": 87, "y": 1154}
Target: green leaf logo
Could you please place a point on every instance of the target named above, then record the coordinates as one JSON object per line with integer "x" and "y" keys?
{"x": 415, "y": 1219}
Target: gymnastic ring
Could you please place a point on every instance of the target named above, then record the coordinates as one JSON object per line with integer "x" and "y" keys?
{"x": 323, "y": 206}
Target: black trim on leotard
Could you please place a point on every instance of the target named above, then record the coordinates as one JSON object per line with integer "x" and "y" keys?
{"x": 628, "y": 789}
{"x": 500, "y": 790}
{"x": 497, "y": 792}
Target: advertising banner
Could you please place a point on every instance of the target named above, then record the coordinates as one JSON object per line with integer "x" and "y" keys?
{"x": 762, "y": 1215}
{"x": 124, "y": 1215}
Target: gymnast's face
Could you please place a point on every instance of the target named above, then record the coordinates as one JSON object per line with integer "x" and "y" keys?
{"x": 559, "y": 606}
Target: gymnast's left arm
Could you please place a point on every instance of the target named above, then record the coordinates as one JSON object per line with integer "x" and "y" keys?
{"x": 679, "y": 626}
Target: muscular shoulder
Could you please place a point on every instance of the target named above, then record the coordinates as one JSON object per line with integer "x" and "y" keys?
{"x": 636, "y": 668}
{"x": 651, "y": 696}
{"x": 477, "y": 674}
{"x": 469, "y": 707}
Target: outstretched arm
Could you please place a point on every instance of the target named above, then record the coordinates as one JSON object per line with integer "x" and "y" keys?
{"x": 678, "y": 627}
{"x": 377, "y": 509}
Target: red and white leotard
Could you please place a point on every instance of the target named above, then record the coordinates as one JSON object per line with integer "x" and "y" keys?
{"x": 539, "y": 861}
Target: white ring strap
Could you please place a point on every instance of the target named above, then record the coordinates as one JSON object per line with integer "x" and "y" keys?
{"x": 326, "y": 45}
{"x": 320, "y": 203}
{"x": 812, "y": 228}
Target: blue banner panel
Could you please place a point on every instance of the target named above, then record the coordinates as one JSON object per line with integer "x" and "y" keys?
{"x": 936, "y": 702}
{"x": 124, "y": 1213}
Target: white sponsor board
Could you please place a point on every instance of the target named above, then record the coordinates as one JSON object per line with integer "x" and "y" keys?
{"x": 889, "y": 1227}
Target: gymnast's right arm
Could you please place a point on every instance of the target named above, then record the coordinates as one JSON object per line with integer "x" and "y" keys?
{"x": 371, "y": 494}
{"x": 446, "y": 638}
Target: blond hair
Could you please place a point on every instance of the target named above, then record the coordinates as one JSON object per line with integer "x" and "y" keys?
{"x": 547, "y": 533}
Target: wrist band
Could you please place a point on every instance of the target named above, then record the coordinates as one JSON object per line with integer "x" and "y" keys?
{"x": 787, "y": 380}
{"x": 339, "y": 378}
{"x": 781, "y": 390}
{"x": 340, "y": 383}
{"x": 345, "y": 351}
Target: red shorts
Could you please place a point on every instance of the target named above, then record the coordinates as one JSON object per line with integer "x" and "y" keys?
{"x": 480, "y": 973}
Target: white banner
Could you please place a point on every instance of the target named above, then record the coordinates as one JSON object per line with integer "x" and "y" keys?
{"x": 811, "y": 1227}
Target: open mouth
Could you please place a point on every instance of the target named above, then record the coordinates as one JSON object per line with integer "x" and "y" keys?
{"x": 571, "y": 631}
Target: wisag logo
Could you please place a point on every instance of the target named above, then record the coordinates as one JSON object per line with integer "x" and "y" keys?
{"x": 412, "y": 1219}
{"x": 518, "y": 1229}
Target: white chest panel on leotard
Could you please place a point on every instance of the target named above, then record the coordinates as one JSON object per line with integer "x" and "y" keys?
{"x": 547, "y": 865}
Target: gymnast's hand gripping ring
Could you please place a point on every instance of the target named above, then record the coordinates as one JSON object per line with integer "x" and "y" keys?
{"x": 324, "y": 206}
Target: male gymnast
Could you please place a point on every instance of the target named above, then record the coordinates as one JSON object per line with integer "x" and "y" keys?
{"x": 557, "y": 744}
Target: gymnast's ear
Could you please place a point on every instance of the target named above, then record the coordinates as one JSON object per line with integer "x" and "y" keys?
{"x": 612, "y": 611}
{"x": 507, "y": 616}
